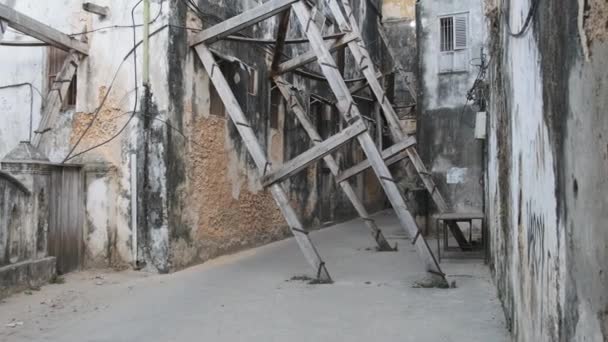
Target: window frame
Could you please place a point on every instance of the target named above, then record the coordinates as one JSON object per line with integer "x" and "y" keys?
{"x": 455, "y": 49}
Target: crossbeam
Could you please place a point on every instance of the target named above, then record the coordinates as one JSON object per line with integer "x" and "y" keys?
{"x": 367, "y": 67}
{"x": 255, "y": 150}
{"x": 310, "y": 56}
{"x": 349, "y": 111}
{"x": 317, "y": 152}
{"x": 297, "y": 108}
{"x": 56, "y": 96}
{"x": 40, "y": 31}
{"x": 386, "y": 155}
{"x": 241, "y": 21}
{"x": 3, "y": 27}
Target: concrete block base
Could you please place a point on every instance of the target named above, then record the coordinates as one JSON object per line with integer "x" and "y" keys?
{"x": 23, "y": 275}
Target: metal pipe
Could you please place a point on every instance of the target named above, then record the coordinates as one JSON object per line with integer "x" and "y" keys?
{"x": 146, "y": 47}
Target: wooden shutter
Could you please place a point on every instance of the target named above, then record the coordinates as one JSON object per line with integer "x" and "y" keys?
{"x": 460, "y": 32}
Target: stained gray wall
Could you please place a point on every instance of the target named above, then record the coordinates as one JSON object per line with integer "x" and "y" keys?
{"x": 445, "y": 125}
{"x": 548, "y": 161}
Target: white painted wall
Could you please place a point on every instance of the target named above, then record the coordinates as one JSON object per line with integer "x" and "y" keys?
{"x": 109, "y": 197}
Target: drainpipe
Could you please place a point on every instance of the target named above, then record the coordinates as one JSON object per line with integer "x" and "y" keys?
{"x": 146, "y": 47}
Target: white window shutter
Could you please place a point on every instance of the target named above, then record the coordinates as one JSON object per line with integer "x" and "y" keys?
{"x": 461, "y": 32}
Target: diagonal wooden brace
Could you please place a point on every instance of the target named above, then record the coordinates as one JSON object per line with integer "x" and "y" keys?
{"x": 298, "y": 109}
{"x": 315, "y": 153}
{"x": 310, "y": 56}
{"x": 57, "y": 93}
{"x": 241, "y": 21}
{"x": 360, "y": 53}
{"x": 40, "y": 31}
{"x": 386, "y": 155}
{"x": 257, "y": 154}
{"x": 349, "y": 112}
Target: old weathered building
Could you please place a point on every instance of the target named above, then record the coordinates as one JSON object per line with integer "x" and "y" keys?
{"x": 151, "y": 158}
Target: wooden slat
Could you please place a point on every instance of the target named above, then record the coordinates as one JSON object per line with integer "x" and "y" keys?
{"x": 298, "y": 109}
{"x": 367, "y": 67}
{"x": 255, "y": 150}
{"x": 386, "y": 154}
{"x": 241, "y": 21}
{"x": 102, "y": 11}
{"x": 40, "y": 31}
{"x": 281, "y": 36}
{"x": 3, "y": 27}
{"x": 310, "y": 56}
{"x": 57, "y": 95}
{"x": 349, "y": 111}
{"x": 314, "y": 154}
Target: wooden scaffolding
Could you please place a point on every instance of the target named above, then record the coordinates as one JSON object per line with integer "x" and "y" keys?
{"x": 356, "y": 129}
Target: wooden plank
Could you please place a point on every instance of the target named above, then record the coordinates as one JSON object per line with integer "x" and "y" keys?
{"x": 386, "y": 154}
{"x": 367, "y": 67}
{"x": 241, "y": 21}
{"x": 314, "y": 154}
{"x": 281, "y": 36}
{"x": 310, "y": 56}
{"x": 359, "y": 87}
{"x": 3, "y": 27}
{"x": 255, "y": 150}
{"x": 56, "y": 97}
{"x": 40, "y": 31}
{"x": 102, "y": 11}
{"x": 298, "y": 109}
{"x": 350, "y": 111}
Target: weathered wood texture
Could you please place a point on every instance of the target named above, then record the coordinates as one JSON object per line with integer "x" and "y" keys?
{"x": 298, "y": 109}
{"x": 241, "y": 21}
{"x": 66, "y": 221}
{"x": 56, "y": 96}
{"x": 367, "y": 67}
{"x": 350, "y": 111}
{"x": 386, "y": 155}
{"x": 281, "y": 36}
{"x": 257, "y": 153}
{"x": 317, "y": 152}
{"x": 102, "y": 11}
{"x": 310, "y": 56}
{"x": 3, "y": 27}
{"x": 40, "y": 31}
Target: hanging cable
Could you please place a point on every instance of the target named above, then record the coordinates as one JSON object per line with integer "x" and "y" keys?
{"x": 527, "y": 22}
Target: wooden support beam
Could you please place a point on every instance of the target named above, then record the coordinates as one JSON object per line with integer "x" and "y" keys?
{"x": 3, "y": 27}
{"x": 367, "y": 67}
{"x": 241, "y": 21}
{"x": 40, "y": 31}
{"x": 287, "y": 41}
{"x": 102, "y": 11}
{"x": 281, "y": 36}
{"x": 310, "y": 56}
{"x": 56, "y": 97}
{"x": 298, "y": 109}
{"x": 257, "y": 153}
{"x": 349, "y": 110}
{"x": 386, "y": 155}
{"x": 315, "y": 153}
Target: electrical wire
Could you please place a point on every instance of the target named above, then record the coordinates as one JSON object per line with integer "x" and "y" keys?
{"x": 133, "y": 25}
{"x": 527, "y": 22}
{"x": 32, "y": 87}
{"x": 69, "y": 156}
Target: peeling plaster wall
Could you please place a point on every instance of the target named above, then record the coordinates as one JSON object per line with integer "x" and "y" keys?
{"x": 547, "y": 166}
{"x": 445, "y": 125}
{"x": 198, "y": 194}
{"x": 108, "y": 235}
